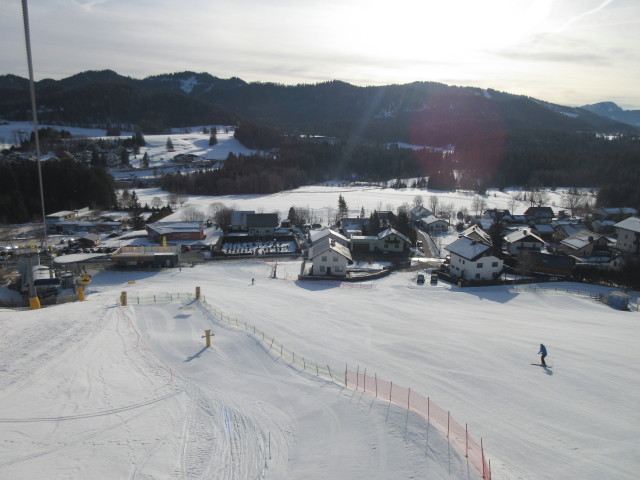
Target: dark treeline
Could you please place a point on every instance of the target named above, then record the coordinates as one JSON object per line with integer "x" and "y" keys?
{"x": 300, "y": 161}
{"x": 116, "y": 103}
{"x": 552, "y": 159}
{"x": 68, "y": 185}
{"x": 532, "y": 159}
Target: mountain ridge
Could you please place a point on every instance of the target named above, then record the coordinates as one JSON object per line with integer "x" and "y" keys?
{"x": 421, "y": 111}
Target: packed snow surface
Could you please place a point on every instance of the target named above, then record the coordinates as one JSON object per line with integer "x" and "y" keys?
{"x": 95, "y": 390}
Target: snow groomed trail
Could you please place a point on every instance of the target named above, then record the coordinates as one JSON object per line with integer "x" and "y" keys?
{"x": 96, "y": 391}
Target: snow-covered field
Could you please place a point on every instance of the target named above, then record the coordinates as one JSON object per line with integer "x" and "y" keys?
{"x": 185, "y": 141}
{"x": 93, "y": 390}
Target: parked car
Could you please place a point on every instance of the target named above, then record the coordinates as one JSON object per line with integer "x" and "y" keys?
{"x": 434, "y": 279}
{"x": 420, "y": 279}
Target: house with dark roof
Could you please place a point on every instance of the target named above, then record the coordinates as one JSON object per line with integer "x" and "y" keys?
{"x": 618, "y": 214}
{"x": 628, "y": 240}
{"x": 543, "y": 230}
{"x": 474, "y": 260}
{"x": 89, "y": 240}
{"x": 329, "y": 258}
{"x": 262, "y": 224}
{"x": 254, "y": 224}
{"x": 539, "y": 214}
{"x": 547, "y": 263}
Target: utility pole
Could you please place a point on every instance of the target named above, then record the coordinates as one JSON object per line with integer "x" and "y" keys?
{"x": 34, "y": 111}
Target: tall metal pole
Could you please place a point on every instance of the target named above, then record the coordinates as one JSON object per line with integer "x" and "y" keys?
{"x": 27, "y": 38}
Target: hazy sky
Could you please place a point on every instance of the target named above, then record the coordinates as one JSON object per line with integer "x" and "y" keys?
{"x": 571, "y": 52}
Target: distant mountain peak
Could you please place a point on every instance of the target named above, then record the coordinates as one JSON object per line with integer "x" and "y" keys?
{"x": 603, "y": 106}
{"x": 614, "y": 112}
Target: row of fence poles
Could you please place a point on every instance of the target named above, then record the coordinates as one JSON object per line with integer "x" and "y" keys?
{"x": 482, "y": 464}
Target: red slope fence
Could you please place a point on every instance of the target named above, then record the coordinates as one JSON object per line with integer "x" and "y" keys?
{"x": 439, "y": 418}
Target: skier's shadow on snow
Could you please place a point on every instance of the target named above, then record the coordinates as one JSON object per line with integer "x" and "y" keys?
{"x": 547, "y": 370}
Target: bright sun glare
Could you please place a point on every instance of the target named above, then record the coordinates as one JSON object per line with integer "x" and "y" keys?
{"x": 437, "y": 31}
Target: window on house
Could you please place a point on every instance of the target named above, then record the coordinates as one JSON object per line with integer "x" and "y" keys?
{"x": 480, "y": 265}
{"x": 323, "y": 269}
{"x": 335, "y": 258}
{"x": 477, "y": 276}
{"x": 494, "y": 264}
{"x": 338, "y": 269}
{"x": 324, "y": 258}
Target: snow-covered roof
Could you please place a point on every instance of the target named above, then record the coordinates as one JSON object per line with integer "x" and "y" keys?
{"x": 171, "y": 227}
{"x": 474, "y": 232}
{"x": 572, "y": 229}
{"x": 327, "y": 244}
{"x": 78, "y": 257}
{"x": 316, "y": 235}
{"x": 431, "y": 219}
{"x": 523, "y": 235}
{"x": 581, "y": 239}
{"x": 391, "y": 231}
{"x": 618, "y": 211}
{"x": 468, "y": 249}
{"x": 63, "y": 213}
{"x": 631, "y": 223}
{"x": 575, "y": 243}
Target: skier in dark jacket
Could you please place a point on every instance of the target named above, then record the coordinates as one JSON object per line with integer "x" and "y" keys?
{"x": 542, "y": 353}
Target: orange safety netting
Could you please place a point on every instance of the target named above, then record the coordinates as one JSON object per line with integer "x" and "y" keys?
{"x": 436, "y": 416}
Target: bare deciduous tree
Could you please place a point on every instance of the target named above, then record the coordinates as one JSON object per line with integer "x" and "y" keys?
{"x": 478, "y": 204}
{"x": 574, "y": 198}
{"x": 433, "y": 203}
{"x": 417, "y": 200}
{"x": 213, "y": 209}
{"x": 192, "y": 214}
{"x": 156, "y": 202}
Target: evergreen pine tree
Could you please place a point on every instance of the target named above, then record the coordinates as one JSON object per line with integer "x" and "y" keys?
{"x": 213, "y": 139}
{"x": 293, "y": 216}
{"x": 145, "y": 160}
{"x": 138, "y": 139}
{"x": 497, "y": 231}
{"x": 169, "y": 145}
{"x": 343, "y": 210}
{"x": 135, "y": 212}
{"x": 374, "y": 223}
{"x": 124, "y": 157}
